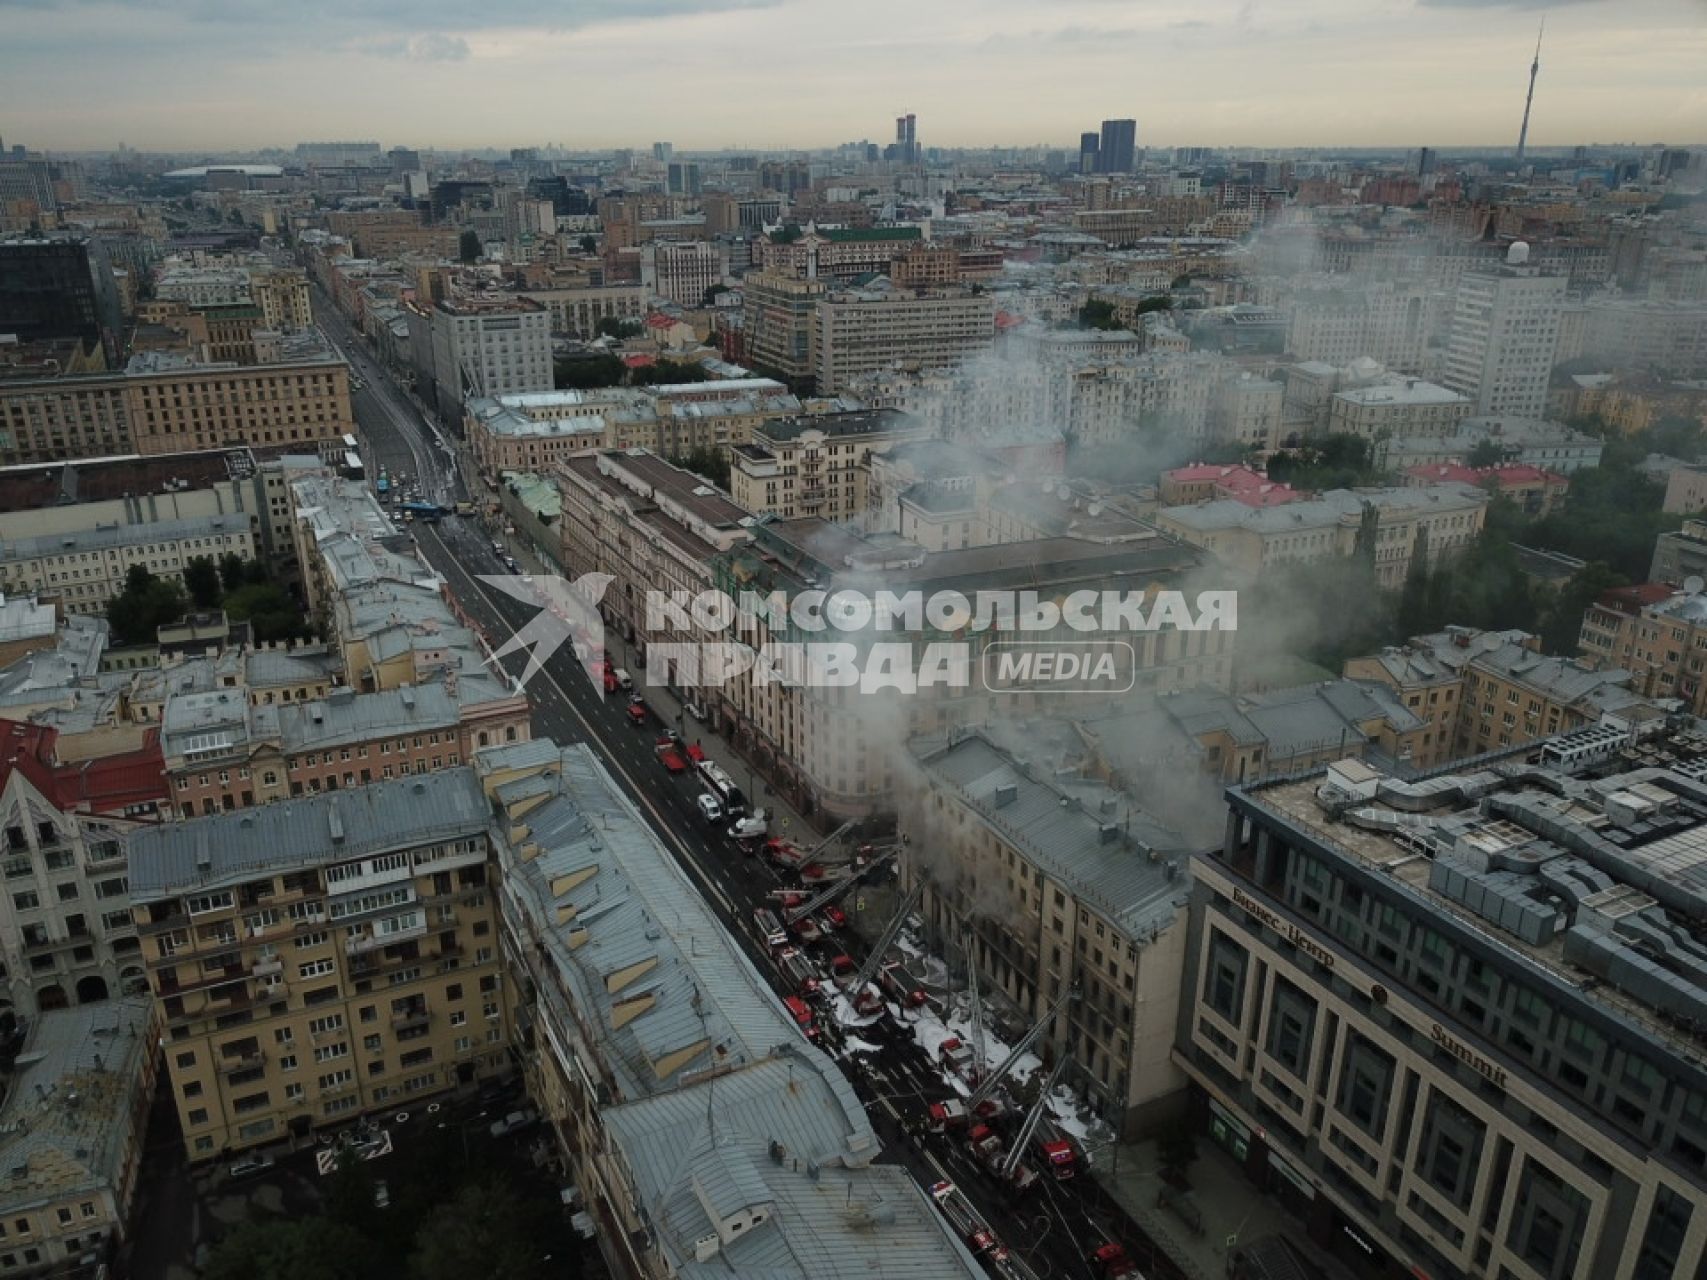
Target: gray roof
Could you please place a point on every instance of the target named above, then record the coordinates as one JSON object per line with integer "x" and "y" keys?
{"x": 229, "y": 848}
{"x": 111, "y": 537}
{"x": 68, "y": 1116}
{"x": 269, "y": 668}
{"x": 348, "y": 717}
{"x": 1088, "y": 837}
{"x": 699, "y": 1140}
{"x": 1333, "y": 508}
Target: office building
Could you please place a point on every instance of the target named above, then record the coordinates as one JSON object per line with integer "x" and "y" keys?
{"x": 706, "y": 1136}
{"x": 1118, "y": 150}
{"x": 72, "y": 1129}
{"x": 1408, "y": 407}
{"x": 488, "y": 347}
{"x": 87, "y": 568}
{"x": 58, "y": 288}
{"x": 315, "y": 960}
{"x": 865, "y": 330}
{"x": 1090, "y": 147}
{"x": 1451, "y": 1024}
{"x": 682, "y": 271}
{"x": 1505, "y": 329}
{"x": 682, "y": 178}
{"x": 779, "y": 310}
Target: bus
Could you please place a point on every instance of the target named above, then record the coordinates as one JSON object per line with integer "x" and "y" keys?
{"x": 724, "y": 788}
{"x": 382, "y": 486}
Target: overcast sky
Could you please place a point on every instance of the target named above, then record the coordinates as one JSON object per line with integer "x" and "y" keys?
{"x": 210, "y": 75}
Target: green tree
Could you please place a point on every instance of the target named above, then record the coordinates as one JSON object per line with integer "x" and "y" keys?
{"x": 144, "y": 606}
{"x": 1159, "y": 302}
{"x": 710, "y": 297}
{"x": 612, "y": 327}
{"x": 1561, "y": 623}
{"x": 468, "y": 247}
{"x": 235, "y": 571}
{"x": 1181, "y": 281}
{"x": 268, "y": 609}
{"x": 1097, "y": 314}
{"x": 1487, "y": 453}
{"x": 710, "y": 463}
{"x": 788, "y": 233}
{"x": 589, "y": 244}
{"x": 485, "y": 1231}
{"x": 589, "y": 373}
{"x": 303, "y": 1249}
{"x": 664, "y": 371}
{"x": 1412, "y": 617}
{"x": 201, "y": 579}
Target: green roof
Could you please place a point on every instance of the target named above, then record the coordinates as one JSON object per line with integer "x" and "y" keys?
{"x": 848, "y": 234}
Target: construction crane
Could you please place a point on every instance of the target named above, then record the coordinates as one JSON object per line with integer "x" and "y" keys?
{"x": 976, "y": 1000}
{"x": 987, "y": 1086}
{"x": 868, "y": 970}
{"x": 1010, "y": 1162}
{"x": 825, "y": 897}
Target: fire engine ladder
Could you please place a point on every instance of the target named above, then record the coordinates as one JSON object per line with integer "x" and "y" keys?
{"x": 880, "y": 948}
{"x": 825, "y": 897}
{"x": 988, "y": 1085}
{"x": 975, "y": 998}
{"x": 1011, "y": 1161}
{"x": 828, "y": 840}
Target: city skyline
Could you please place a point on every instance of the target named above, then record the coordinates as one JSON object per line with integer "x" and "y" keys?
{"x": 1230, "y": 73}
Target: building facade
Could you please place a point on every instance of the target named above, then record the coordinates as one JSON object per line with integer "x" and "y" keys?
{"x": 1505, "y": 332}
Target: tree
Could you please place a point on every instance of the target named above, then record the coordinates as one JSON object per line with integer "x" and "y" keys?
{"x": 468, "y": 247}
{"x": 1487, "y": 453}
{"x": 233, "y": 570}
{"x": 291, "y": 1250}
{"x": 589, "y": 244}
{"x": 613, "y": 327}
{"x": 664, "y": 371}
{"x": 145, "y": 605}
{"x": 1561, "y": 624}
{"x": 710, "y": 297}
{"x": 1176, "y": 1149}
{"x": 788, "y": 233}
{"x": 485, "y": 1231}
{"x": 1097, "y": 314}
{"x": 1159, "y": 302}
{"x": 268, "y": 609}
{"x": 1182, "y": 281}
{"x": 588, "y": 374}
{"x": 702, "y": 461}
{"x": 201, "y": 578}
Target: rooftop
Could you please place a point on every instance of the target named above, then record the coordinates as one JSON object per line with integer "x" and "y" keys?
{"x": 1412, "y": 391}
{"x": 228, "y": 849}
{"x": 840, "y": 425}
{"x": 110, "y": 537}
{"x": 70, "y": 1114}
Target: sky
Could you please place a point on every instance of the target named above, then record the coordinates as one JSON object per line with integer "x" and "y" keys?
{"x": 218, "y": 76}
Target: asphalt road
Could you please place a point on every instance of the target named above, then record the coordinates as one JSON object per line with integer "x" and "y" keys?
{"x": 1058, "y": 1224}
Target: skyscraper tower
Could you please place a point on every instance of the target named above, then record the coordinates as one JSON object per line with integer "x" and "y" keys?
{"x": 1534, "y": 68}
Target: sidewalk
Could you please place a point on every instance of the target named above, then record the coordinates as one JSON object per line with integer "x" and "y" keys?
{"x": 1235, "y": 1213}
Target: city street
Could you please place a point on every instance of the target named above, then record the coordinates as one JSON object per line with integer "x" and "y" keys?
{"x": 1060, "y": 1223}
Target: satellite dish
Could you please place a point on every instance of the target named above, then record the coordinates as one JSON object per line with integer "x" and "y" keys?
{"x": 1693, "y": 584}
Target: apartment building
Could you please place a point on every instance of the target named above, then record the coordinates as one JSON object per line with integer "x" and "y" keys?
{"x": 1063, "y": 885}
{"x": 202, "y": 287}
{"x": 1658, "y": 634}
{"x": 778, "y": 313}
{"x": 1445, "y": 519}
{"x": 1450, "y": 1025}
{"x": 1245, "y": 409}
{"x": 534, "y": 430}
{"x": 682, "y": 271}
{"x": 1386, "y": 321}
{"x": 283, "y": 297}
{"x": 649, "y": 525}
{"x": 810, "y": 739}
{"x": 1408, "y": 408}
{"x": 707, "y": 1136}
{"x": 317, "y": 960}
{"x": 72, "y": 1129}
{"x": 814, "y": 466}
{"x": 863, "y": 331}
{"x": 1680, "y": 556}
{"x": 66, "y": 934}
{"x": 1505, "y": 331}
{"x": 1533, "y": 490}
{"x": 87, "y": 568}
{"x": 1488, "y": 690}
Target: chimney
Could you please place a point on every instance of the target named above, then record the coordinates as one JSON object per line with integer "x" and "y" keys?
{"x": 1108, "y": 833}
{"x": 1006, "y": 794}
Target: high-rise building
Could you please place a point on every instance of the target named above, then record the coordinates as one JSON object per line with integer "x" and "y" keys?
{"x": 907, "y": 139}
{"x": 57, "y": 288}
{"x": 861, "y": 331}
{"x": 779, "y": 312}
{"x": 1505, "y": 330}
{"x": 662, "y": 151}
{"x": 489, "y": 348}
{"x": 1119, "y": 145}
{"x": 684, "y": 178}
{"x": 1090, "y": 146}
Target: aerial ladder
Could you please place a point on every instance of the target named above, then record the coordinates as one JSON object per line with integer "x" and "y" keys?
{"x": 988, "y": 1084}
{"x": 1010, "y": 1161}
{"x": 976, "y": 1000}
{"x": 868, "y": 970}
{"x": 837, "y": 888}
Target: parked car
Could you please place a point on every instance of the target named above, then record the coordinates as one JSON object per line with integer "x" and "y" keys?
{"x": 250, "y": 1165}
{"x": 514, "y": 1122}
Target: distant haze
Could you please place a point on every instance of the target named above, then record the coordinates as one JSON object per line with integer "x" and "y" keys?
{"x": 228, "y": 75}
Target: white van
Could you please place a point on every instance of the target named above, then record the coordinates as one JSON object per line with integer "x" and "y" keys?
{"x": 624, "y": 681}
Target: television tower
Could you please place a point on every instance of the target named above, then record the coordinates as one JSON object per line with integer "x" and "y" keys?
{"x": 1534, "y": 68}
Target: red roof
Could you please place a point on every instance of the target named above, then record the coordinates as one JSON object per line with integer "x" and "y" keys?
{"x": 1201, "y": 472}
{"x": 639, "y": 361}
{"x": 1266, "y": 495}
{"x": 658, "y": 320}
{"x": 1632, "y": 600}
{"x": 1008, "y": 320}
{"x": 109, "y": 784}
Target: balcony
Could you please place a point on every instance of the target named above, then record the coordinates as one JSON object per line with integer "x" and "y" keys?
{"x": 365, "y": 942}
{"x": 38, "y": 943}
{"x": 266, "y": 967}
{"x": 409, "y": 1019}
{"x": 160, "y": 924}
{"x": 248, "y": 1060}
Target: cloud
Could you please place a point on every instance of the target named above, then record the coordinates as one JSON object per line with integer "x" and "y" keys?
{"x": 1503, "y": 4}
{"x": 436, "y": 46}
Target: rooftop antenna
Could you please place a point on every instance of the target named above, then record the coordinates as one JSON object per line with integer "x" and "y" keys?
{"x": 1534, "y": 69}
